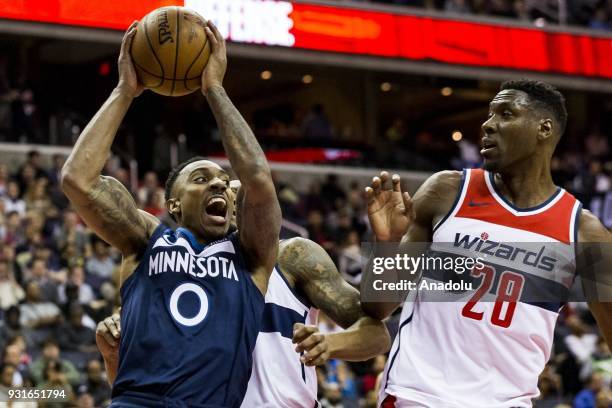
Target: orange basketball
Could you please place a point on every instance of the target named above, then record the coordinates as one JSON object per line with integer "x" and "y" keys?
{"x": 170, "y": 50}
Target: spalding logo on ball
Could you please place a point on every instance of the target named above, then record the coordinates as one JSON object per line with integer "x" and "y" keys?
{"x": 170, "y": 50}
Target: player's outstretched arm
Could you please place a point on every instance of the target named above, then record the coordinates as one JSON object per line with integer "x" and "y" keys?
{"x": 597, "y": 273}
{"x": 316, "y": 275}
{"x": 397, "y": 220}
{"x": 105, "y": 205}
{"x": 108, "y": 334}
{"x": 259, "y": 209}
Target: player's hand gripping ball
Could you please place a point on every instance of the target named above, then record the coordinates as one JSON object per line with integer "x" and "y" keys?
{"x": 170, "y": 50}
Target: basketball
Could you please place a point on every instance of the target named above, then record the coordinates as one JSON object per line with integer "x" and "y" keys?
{"x": 170, "y": 50}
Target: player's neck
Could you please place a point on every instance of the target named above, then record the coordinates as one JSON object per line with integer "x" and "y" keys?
{"x": 528, "y": 184}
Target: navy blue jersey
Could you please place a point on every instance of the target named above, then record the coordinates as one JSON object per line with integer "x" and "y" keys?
{"x": 190, "y": 317}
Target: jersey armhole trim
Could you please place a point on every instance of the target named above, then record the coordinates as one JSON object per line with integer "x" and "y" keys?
{"x": 294, "y": 292}
{"x": 465, "y": 181}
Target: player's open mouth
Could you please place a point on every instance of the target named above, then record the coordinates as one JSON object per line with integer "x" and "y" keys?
{"x": 487, "y": 147}
{"x": 216, "y": 210}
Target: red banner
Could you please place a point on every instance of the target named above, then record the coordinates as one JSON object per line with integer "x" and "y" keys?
{"x": 352, "y": 31}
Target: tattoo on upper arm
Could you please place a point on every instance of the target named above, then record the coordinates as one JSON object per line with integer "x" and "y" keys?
{"x": 310, "y": 265}
{"x": 114, "y": 211}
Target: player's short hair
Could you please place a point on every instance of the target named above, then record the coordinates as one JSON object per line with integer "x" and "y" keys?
{"x": 545, "y": 96}
{"x": 174, "y": 173}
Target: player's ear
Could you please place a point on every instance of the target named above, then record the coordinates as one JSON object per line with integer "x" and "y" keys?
{"x": 545, "y": 129}
{"x": 173, "y": 205}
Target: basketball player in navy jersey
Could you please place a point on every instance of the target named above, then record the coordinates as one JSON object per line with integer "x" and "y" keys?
{"x": 304, "y": 281}
{"x": 192, "y": 299}
{"x": 475, "y": 352}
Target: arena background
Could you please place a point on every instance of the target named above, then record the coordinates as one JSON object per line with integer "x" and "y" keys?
{"x": 335, "y": 91}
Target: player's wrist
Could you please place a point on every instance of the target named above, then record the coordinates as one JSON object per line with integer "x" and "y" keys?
{"x": 206, "y": 90}
{"x": 124, "y": 90}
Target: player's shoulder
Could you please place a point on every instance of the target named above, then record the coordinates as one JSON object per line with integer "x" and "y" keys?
{"x": 438, "y": 191}
{"x": 591, "y": 229}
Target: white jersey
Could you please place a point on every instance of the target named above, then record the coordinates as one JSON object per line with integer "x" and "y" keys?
{"x": 278, "y": 378}
{"x": 487, "y": 348}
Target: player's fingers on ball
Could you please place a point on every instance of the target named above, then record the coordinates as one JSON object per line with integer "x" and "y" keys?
{"x": 396, "y": 182}
{"x": 216, "y": 32}
{"x": 211, "y": 38}
{"x": 128, "y": 36}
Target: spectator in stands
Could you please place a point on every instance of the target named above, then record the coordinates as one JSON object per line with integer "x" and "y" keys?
{"x": 600, "y": 20}
{"x": 4, "y": 178}
{"x": 100, "y": 265}
{"x": 349, "y": 259}
{"x": 72, "y": 232}
{"x": 316, "y": 126}
{"x": 457, "y": 6}
{"x": 76, "y": 278}
{"x": 37, "y": 198}
{"x": 318, "y": 232}
{"x": 51, "y": 353}
{"x": 12, "y": 356}
{"x": 12, "y": 200}
{"x": 73, "y": 335}
{"x": 331, "y": 192}
{"x": 549, "y": 384}
{"x": 588, "y": 396}
{"x": 580, "y": 343}
{"x": 95, "y": 384}
{"x": 54, "y": 377}
{"x": 10, "y": 291}
{"x": 36, "y": 313}
{"x": 39, "y": 273}
{"x": 597, "y": 145}
{"x": 13, "y": 231}
{"x": 7, "y": 373}
{"x": 601, "y": 362}
{"x": 368, "y": 382}
{"x": 86, "y": 400}
{"x": 332, "y": 396}
{"x": 150, "y": 185}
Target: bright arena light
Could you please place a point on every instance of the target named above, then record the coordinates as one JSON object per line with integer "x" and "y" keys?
{"x": 457, "y": 136}
{"x": 307, "y": 79}
{"x": 265, "y": 75}
{"x": 385, "y": 87}
{"x": 446, "y": 91}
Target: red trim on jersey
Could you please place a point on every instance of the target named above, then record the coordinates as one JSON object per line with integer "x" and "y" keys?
{"x": 479, "y": 204}
{"x": 389, "y": 402}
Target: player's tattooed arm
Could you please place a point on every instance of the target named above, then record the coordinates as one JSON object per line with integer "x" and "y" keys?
{"x": 103, "y": 202}
{"x": 595, "y": 269}
{"x": 315, "y": 274}
{"x": 260, "y": 212}
{"x": 109, "y": 209}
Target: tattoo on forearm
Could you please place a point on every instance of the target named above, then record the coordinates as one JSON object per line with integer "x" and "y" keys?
{"x": 239, "y": 142}
{"x": 310, "y": 265}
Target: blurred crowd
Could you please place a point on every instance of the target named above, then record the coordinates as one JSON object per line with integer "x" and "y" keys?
{"x": 57, "y": 280}
{"x": 595, "y": 14}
